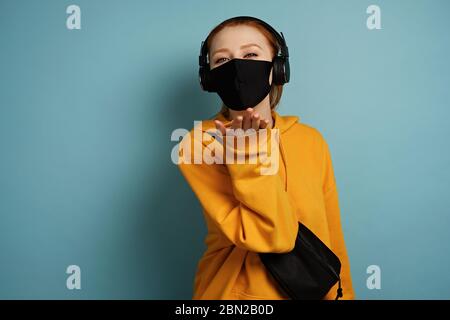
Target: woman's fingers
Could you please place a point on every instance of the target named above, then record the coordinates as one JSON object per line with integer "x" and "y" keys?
{"x": 249, "y": 119}
{"x": 255, "y": 121}
{"x": 220, "y": 126}
{"x": 237, "y": 122}
{"x": 264, "y": 124}
{"x": 247, "y": 122}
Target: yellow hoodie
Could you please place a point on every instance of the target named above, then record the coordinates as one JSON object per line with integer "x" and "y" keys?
{"x": 247, "y": 212}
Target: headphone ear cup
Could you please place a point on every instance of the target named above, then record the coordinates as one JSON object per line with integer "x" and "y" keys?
{"x": 287, "y": 70}
{"x": 278, "y": 74}
{"x": 201, "y": 78}
{"x": 205, "y": 79}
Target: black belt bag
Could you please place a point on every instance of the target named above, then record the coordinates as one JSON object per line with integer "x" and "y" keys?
{"x": 307, "y": 272}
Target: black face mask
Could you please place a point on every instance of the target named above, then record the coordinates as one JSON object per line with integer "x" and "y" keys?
{"x": 242, "y": 83}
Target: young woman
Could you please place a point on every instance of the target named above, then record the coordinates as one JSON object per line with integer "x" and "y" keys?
{"x": 247, "y": 212}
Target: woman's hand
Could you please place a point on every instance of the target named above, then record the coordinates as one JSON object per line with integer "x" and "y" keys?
{"x": 250, "y": 119}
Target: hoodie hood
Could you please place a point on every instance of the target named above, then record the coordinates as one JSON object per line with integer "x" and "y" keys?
{"x": 283, "y": 123}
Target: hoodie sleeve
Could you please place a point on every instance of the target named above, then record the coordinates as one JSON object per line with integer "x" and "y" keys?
{"x": 251, "y": 209}
{"x": 330, "y": 193}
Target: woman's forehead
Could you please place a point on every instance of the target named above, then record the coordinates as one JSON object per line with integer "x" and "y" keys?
{"x": 233, "y": 37}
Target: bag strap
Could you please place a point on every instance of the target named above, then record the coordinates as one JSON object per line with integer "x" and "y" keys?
{"x": 339, "y": 291}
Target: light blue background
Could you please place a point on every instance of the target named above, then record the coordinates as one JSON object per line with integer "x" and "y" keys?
{"x": 86, "y": 117}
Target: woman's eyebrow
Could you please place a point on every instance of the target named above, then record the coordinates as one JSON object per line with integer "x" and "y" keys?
{"x": 250, "y": 45}
{"x": 242, "y": 47}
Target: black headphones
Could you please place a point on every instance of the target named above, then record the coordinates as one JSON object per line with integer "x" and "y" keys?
{"x": 281, "y": 72}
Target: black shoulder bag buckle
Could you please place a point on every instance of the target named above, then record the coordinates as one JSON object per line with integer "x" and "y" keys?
{"x": 307, "y": 272}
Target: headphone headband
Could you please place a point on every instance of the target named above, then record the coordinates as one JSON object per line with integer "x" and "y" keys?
{"x": 283, "y": 51}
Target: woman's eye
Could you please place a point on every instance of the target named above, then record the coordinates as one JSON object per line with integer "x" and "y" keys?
{"x": 250, "y": 55}
{"x": 220, "y": 60}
